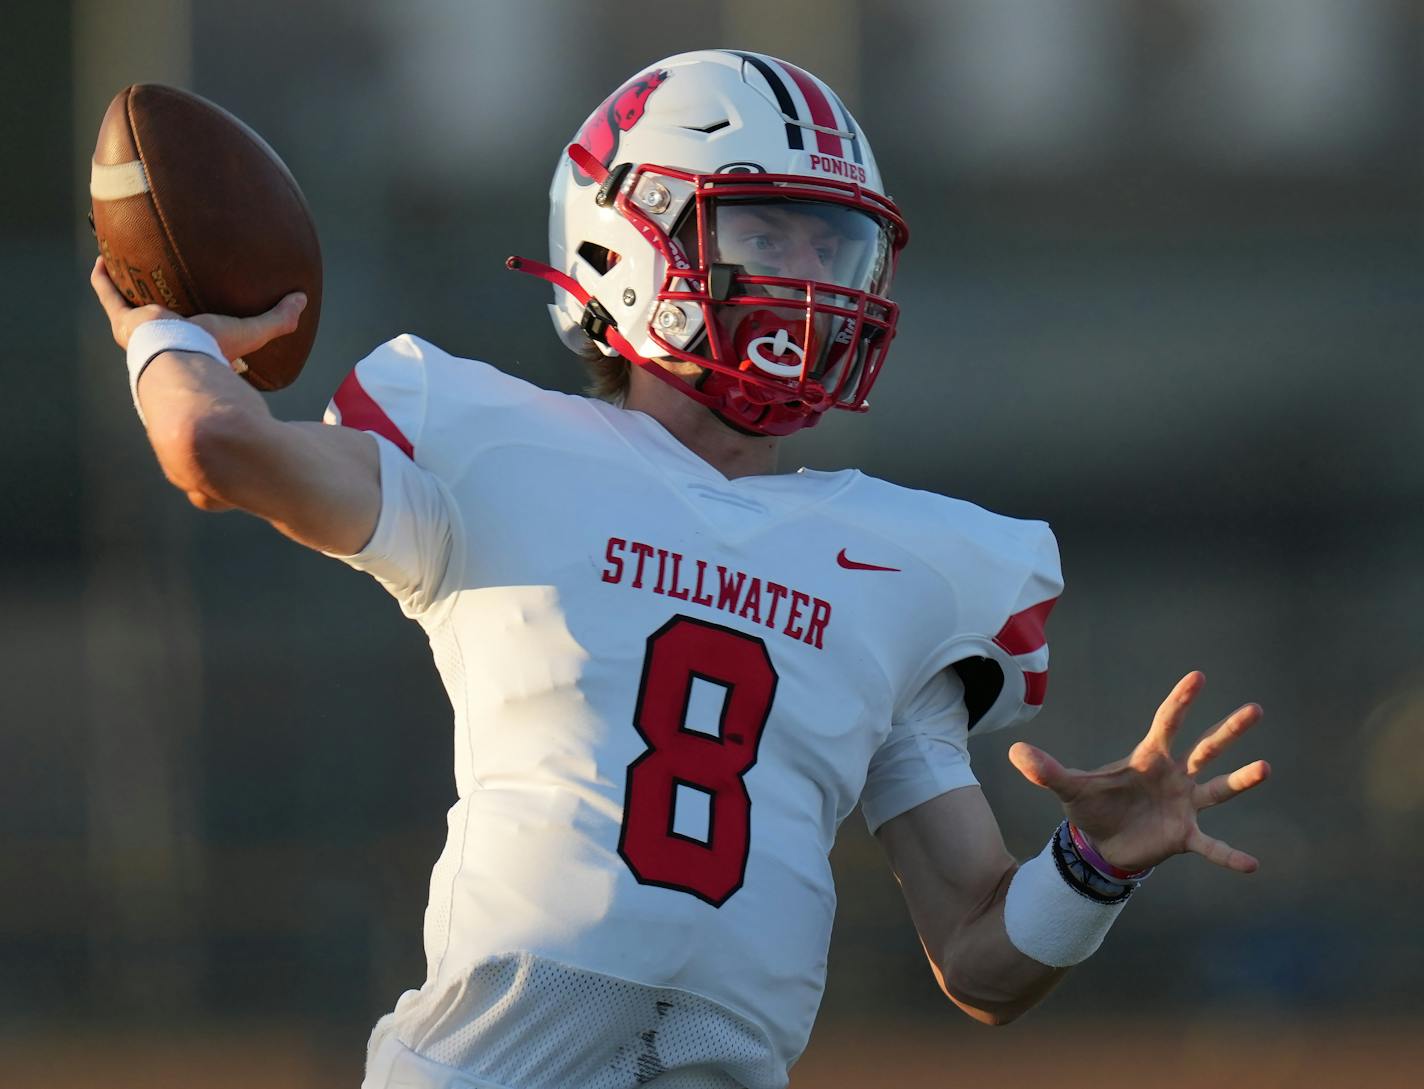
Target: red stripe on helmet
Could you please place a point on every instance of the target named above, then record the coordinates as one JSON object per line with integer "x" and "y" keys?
{"x": 360, "y": 411}
{"x": 821, "y": 112}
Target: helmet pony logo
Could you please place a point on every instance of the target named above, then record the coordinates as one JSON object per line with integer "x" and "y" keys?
{"x": 622, "y": 110}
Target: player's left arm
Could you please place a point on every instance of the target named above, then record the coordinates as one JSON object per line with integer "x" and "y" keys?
{"x": 954, "y": 870}
{"x": 961, "y": 884}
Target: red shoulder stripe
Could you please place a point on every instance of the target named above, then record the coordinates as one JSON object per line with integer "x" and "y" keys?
{"x": 1035, "y": 688}
{"x": 359, "y": 410}
{"x": 1022, "y": 633}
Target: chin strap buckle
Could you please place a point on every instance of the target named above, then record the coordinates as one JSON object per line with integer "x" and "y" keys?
{"x": 608, "y": 190}
{"x": 596, "y": 321}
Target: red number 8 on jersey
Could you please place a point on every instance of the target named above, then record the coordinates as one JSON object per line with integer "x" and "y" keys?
{"x": 681, "y": 651}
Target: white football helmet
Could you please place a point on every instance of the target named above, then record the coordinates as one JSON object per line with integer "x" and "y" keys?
{"x": 724, "y": 208}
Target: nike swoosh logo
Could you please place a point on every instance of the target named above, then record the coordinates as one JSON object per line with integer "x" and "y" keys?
{"x": 854, "y": 565}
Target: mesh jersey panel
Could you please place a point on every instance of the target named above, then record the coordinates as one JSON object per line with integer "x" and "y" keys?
{"x": 449, "y": 662}
{"x": 531, "y": 1023}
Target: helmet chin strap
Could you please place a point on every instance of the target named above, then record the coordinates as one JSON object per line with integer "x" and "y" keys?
{"x": 776, "y": 423}
{"x": 616, "y": 340}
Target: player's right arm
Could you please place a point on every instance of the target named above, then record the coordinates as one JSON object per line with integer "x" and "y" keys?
{"x": 217, "y": 441}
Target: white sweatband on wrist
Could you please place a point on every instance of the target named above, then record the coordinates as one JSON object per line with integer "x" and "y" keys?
{"x": 153, "y": 338}
{"x": 1050, "y": 921}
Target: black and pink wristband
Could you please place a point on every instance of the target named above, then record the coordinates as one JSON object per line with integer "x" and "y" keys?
{"x": 1083, "y": 867}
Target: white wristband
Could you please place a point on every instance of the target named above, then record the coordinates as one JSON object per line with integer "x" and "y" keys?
{"x": 166, "y": 335}
{"x": 1050, "y": 921}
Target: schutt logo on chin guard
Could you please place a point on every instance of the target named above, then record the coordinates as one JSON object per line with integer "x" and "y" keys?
{"x": 619, "y": 113}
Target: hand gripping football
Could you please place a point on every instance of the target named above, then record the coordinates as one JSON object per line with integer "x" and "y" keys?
{"x": 195, "y": 212}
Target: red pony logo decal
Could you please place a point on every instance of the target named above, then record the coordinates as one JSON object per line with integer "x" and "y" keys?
{"x": 622, "y": 110}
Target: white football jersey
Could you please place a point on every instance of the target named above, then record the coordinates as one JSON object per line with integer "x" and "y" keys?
{"x": 669, "y": 690}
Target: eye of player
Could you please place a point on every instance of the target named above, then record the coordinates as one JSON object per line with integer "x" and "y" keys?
{"x": 773, "y": 241}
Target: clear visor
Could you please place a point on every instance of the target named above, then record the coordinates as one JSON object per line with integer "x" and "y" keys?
{"x": 801, "y": 240}
{"x": 795, "y": 315}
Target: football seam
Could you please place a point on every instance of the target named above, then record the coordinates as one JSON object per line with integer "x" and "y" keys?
{"x": 182, "y": 264}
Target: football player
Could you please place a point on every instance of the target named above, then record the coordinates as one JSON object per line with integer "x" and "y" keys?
{"x": 674, "y": 669}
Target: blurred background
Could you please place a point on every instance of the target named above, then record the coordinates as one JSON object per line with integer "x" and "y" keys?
{"x": 1165, "y": 290}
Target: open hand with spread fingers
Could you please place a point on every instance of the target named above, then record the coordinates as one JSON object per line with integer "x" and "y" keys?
{"x": 1143, "y": 809}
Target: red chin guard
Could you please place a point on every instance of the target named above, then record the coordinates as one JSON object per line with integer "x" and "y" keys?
{"x": 771, "y": 345}
{"x": 740, "y": 406}
{"x": 767, "y": 343}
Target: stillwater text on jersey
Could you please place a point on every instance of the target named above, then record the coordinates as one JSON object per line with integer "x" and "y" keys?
{"x": 805, "y": 616}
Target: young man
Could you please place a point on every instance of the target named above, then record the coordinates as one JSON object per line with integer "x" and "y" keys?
{"x": 675, "y": 671}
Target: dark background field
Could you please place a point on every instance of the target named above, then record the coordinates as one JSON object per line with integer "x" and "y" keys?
{"x": 1164, "y": 290}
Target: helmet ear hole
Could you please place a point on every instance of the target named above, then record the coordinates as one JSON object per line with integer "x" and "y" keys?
{"x": 600, "y": 258}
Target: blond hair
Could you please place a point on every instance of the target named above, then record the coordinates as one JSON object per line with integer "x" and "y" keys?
{"x": 607, "y": 374}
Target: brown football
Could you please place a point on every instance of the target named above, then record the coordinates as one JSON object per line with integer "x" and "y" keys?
{"x": 195, "y": 212}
